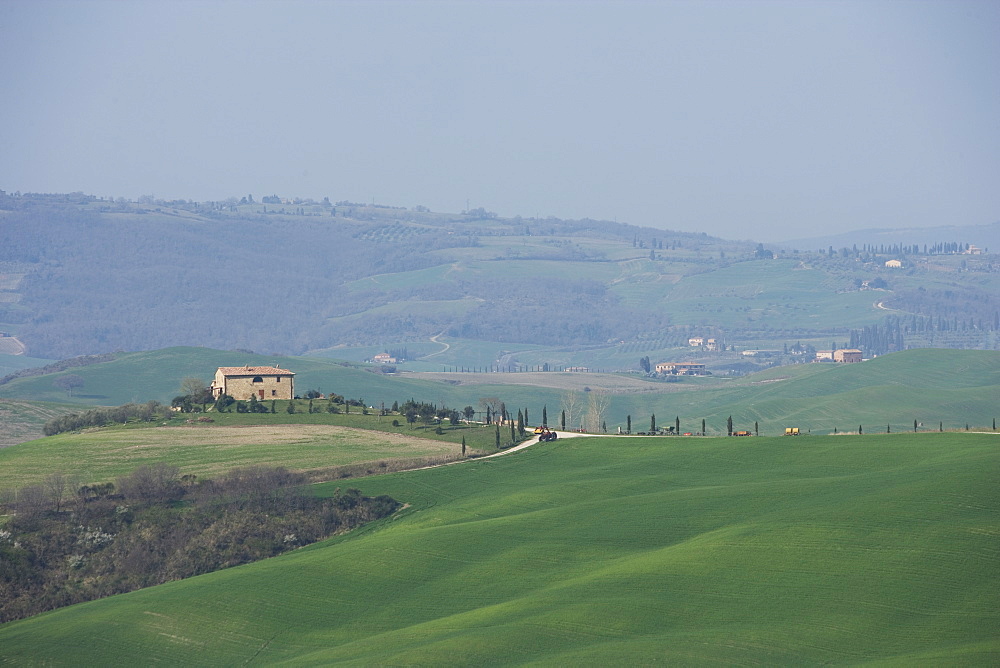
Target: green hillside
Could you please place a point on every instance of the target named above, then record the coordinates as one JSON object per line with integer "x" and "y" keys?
{"x": 956, "y": 387}
{"x": 12, "y": 363}
{"x": 23, "y": 420}
{"x": 932, "y": 386}
{"x": 157, "y": 375}
{"x": 874, "y": 549}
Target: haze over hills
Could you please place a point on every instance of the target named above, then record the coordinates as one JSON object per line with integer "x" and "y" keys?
{"x": 83, "y": 275}
{"x": 986, "y": 237}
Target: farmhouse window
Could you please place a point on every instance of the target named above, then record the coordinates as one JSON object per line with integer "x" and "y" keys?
{"x": 277, "y": 379}
{"x": 274, "y": 393}
{"x": 257, "y": 379}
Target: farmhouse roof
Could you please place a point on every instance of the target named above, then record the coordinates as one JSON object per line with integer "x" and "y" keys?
{"x": 254, "y": 371}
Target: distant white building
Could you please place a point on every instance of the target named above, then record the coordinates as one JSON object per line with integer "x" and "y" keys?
{"x": 893, "y": 264}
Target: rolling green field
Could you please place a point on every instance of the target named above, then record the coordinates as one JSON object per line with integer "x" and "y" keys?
{"x": 23, "y": 420}
{"x": 319, "y": 444}
{"x": 604, "y": 551}
{"x": 949, "y": 388}
{"x": 12, "y": 363}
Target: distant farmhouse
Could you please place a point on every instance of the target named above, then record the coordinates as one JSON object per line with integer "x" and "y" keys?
{"x": 844, "y": 356}
{"x": 893, "y": 264}
{"x": 681, "y": 368}
{"x": 264, "y": 382}
{"x": 847, "y": 356}
{"x": 384, "y": 358}
{"x": 698, "y": 341}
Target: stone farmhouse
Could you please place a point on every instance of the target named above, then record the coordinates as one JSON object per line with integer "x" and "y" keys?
{"x": 844, "y": 355}
{"x": 848, "y": 356}
{"x": 264, "y": 382}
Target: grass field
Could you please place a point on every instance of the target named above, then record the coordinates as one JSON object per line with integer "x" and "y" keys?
{"x": 23, "y": 420}
{"x": 314, "y": 443}
{"x": 12, "y": 363}
{"x": 599, "y": 551}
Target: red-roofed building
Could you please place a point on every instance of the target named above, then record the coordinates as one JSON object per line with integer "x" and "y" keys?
{"x": 242, "y": 382}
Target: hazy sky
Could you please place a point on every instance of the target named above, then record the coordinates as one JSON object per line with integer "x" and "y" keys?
{"x": 762, "y": 120}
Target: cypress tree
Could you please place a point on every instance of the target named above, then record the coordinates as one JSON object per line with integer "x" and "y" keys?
{"x": 703, "y": 426}
{"x": 497, "y": 437}
{"x": 914, "y": 426}
{"x": 729, "y": 425}
{"x": 513, "y": 436}
{"x": 756, "y": 429}
{"x": 545, "y": 416}
{"x": 463, "y": 445}
{"x": 652, "y": 423}
{"x": 860, "y": 431}
{"x": 562, "y": 420}
{"x": 628, "y": 424}
{"x": 677, "y": 424}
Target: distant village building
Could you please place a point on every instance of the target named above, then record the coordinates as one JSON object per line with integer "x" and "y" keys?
{"x": 384, "y": 358}
{"x": 973, "y": 250}
{"x": 710, "y": 344}
{"x": 844, "y": 355}
{"x": 696, "y": 341}
{"x": 681, "y": 368}
{"x": 893, "y": 264}
{"x": 848, "y": 356}
{"x": 264, "y": 382}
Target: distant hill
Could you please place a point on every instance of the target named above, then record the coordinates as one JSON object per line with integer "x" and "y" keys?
{"x": 983, "y": 236}
{"x": 81, "y": 275}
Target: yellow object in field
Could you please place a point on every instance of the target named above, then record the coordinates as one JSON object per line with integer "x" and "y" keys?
{"x": 791, "y": 431}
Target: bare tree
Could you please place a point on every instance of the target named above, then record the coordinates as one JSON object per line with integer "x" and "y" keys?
{"x": 597, "y": 408}
{"x": 492, "y": 404}
{"x": 571, "y": 406}
{"x": 32, "y": 501}
{"x": 191, "y": 385}
{"x": 55, "y": 486}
